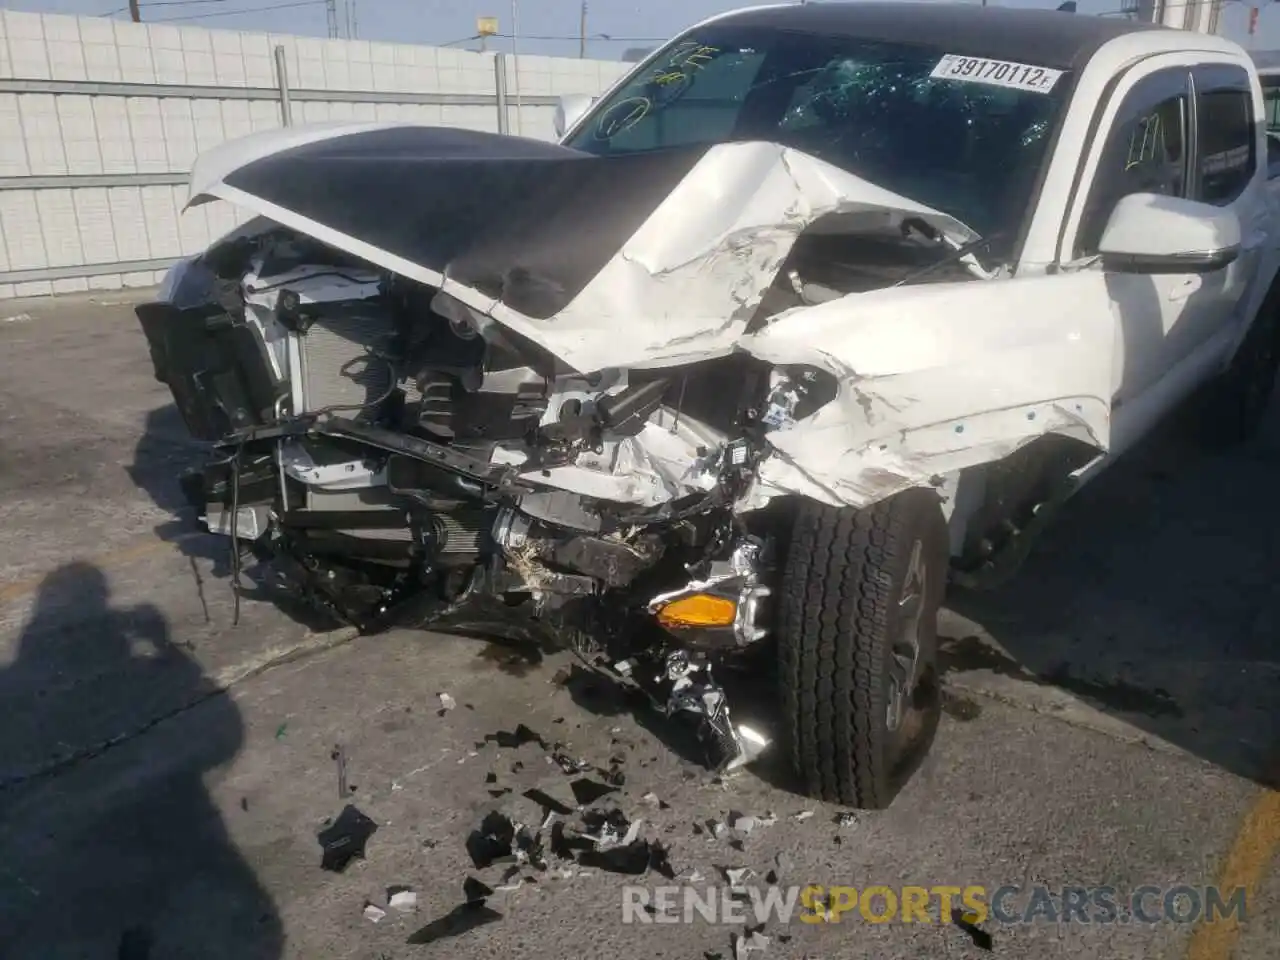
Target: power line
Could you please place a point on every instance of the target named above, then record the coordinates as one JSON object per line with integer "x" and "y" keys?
{"x": 232, "y": 13}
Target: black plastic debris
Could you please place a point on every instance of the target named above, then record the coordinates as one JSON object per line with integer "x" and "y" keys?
{"x": 632, "y": 859}
{"x": 981, "y": 939}
{"x": 565, "y": 846}
{"x": 461, "y": 919}
{"x": 608, "y": 826}
{"x": 491, "y": 842}
{"x": 548, "y": 802}
{"x": 501, "y": 792}
{"x": 135, "y": 944}
{"x": 517, "y": 767}
{"x": 474, "y": 890}
{"x": 244, "y": 804}
{"x": 587, "y": 791}
{"x": 491, "y": 777}
{"x": 509, "y": 740}
{"x": 344, "y": 840}
{"x": 567, "y": 763}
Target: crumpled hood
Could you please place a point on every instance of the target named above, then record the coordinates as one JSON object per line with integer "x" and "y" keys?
{"x": 636, "y": 260}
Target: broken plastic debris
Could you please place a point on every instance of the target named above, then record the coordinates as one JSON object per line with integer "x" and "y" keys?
{"x": 402, "y": 899}
{"x": 492, "y": 841}
{"x": 339, "y": 757}
{"x": 345, "y": 839}
{"x": 568, "y": 764}
{"x": 633, "y": 859}
{"x": 447, "y": 702}
{"x": 846, "y": 819}
{"x": 735, "y": 877}
{"x": 280, "y": 730}
{"x": 606, "y": 828}
{"x": 743, "y": 944}
{"x": 461, "y": 919}
{"x": 802, "y": 816}
{"x": 373, "y": 912}
{"x": 587, "y": 791}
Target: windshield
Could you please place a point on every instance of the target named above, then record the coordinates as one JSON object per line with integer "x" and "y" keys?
{"x": 968, "y": 147}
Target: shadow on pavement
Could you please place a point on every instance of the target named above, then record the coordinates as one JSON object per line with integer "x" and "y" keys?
{"x": 1154, "y": 598}
{"x": 123, "y": 853}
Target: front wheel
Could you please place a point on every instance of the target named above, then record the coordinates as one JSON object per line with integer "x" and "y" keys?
{"x": 857, "y": 644}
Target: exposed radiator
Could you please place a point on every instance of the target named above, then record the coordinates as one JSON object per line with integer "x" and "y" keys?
{"x": 340, "y": 353}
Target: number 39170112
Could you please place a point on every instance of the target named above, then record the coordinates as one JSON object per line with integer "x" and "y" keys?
{"x": 998, "y": 73}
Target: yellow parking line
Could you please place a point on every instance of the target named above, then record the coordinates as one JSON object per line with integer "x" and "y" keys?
{"x": 145, "y": 547}
{"x": 1246, "y": 865}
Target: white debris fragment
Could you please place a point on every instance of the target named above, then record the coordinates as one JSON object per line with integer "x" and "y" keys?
{"x": 633, "y": 833}
{"x": 768, "y": 820}
{"x": 743, "y": 945}
{"x": 447, "y": 702}
{"x": 650, "y": 798}
{"x": 846, "y": 819}
{"x": 373, "y": 912}
{"x": 17, "y": 318}
{"x": 720, "y": 831}
{"x": 406, "y": 901}
{"x": 802, "y": 816}
{"x": 736, "y": 876}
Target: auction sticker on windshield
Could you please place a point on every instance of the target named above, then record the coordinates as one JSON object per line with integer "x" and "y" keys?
{"x": 997, "y": 73}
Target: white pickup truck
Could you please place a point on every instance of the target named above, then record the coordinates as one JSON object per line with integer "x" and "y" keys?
{"x": 819, "y": 307}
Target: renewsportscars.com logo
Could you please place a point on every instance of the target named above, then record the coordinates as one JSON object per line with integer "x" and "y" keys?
{"x": 743, "y": 904}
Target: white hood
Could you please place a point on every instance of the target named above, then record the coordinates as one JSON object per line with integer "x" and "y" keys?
{"x": 704, "y": 237}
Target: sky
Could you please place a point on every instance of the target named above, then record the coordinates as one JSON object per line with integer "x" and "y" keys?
{"x": 548, "y": 27}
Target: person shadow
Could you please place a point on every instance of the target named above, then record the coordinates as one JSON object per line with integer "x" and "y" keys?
{"x": 110, "y": 843}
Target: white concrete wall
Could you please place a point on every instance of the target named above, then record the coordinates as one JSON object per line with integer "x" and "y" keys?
{"x": 82, "y": 131}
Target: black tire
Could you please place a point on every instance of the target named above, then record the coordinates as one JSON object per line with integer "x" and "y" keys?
{"x": 839, "y": 619}
{"x": 1237, "y": 401}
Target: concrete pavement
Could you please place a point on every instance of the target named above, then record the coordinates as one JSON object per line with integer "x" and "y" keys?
{"x": 163, "y": 774}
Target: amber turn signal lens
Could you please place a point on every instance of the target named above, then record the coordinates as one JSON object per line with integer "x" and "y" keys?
{"x": 699, "y": 610}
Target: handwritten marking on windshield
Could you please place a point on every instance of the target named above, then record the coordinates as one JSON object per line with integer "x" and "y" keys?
{"x": 1147, "y": 141}
{"x": 622, "y": 116}
{"x": 997, "y": 73}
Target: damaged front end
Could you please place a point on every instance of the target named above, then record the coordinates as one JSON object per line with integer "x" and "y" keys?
{"x": 478, "y": 383}
{"x": 395, "y": 466}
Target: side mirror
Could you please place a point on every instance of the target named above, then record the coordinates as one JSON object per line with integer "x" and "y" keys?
{"x": 570, "y": 109}
{"x": 1150, "y": 233}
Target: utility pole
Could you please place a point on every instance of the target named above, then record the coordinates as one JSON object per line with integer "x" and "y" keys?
{"x": 135, "y": 13}
{"x": 331, "y": 14}
{"x": 582, "y": 32}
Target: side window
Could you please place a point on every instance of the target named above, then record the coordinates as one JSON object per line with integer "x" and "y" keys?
{"x": 1145, "y": 152}
{"x": 1225, "y": 138}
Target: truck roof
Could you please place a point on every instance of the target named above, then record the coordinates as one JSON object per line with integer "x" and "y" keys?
{"x": 1047, "y": 38}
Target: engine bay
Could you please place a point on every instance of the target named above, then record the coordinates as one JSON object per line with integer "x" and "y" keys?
{"x": 399, "y": 459}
